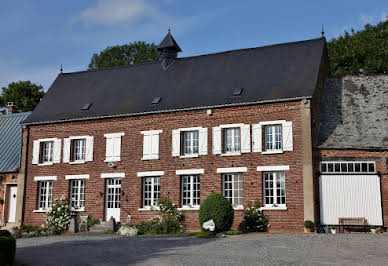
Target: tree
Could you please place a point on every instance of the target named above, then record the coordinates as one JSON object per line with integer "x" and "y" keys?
{"x": 362, "y": 51}
{"x": 128, "y": 54}
{"x": 24, "y": 94}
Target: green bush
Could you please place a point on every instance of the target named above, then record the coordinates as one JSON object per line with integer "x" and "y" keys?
{"x": 218, "y": 208}
{"x": 7, "y": 250}
{"x": 92, "y": 221}
{"x": 309, "y": 224}
{"x": 5, "y": 233}
{"x": 253, "y": 219}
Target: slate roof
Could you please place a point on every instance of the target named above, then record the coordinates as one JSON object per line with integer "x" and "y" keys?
{"x": 169, "y": 42}
{"x": 269, "y": 73}
{"x": 355, "y": 113}
{"x": 10, "y": 141}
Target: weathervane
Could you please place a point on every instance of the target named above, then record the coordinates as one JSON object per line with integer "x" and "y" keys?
{"x": 61, "y": 69}
{"x": 323, "y": 32}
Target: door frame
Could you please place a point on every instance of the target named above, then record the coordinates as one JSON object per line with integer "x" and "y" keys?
{"x": 4, "y": 220}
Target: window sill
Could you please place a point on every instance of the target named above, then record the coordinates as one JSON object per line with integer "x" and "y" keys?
{"x": 77, "y": 162}
{"x": 270, "y": 208}
{"x": 148, "y": 209}
{"x": 78, "y": 210}
{"x": 40, "y": 211}
{"x": 272, "y": 152}
{"x": 45, "y": 164}
{"x": 238, "y": 208}
{"x": 187, "y": 208}
{"x": 189, "y": 156}
{"x": 146, "y": 159}
{"x": 111, "y": 161}
{"x": 231, "y": 154}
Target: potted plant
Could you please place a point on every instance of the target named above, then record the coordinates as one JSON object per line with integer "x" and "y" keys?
{"x": 333, "y": 229}
{"x": 308, "y": 226}
{"x": 372, "y": 229}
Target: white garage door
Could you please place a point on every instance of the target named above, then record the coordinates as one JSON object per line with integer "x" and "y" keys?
{"x": 350, "y": 196}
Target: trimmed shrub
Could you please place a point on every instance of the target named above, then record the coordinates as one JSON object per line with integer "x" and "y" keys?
{"x": 7, "y": 250}
{"x": 254, "y": 219}
{"x": 5, "y": 233}
{"x": 309, "y": 224}
{"x": 217, "y": 208}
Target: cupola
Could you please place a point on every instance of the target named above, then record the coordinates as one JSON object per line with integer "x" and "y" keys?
{"x": 169, "y": 50}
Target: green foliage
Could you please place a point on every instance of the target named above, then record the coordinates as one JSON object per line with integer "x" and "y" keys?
{"x": 254, "y": 219}
{"x": 200, "y": 234}
{"x": 309, "y": 224}
{"x": 58, "y": 217}
{"x": 366, "y": 49}
{"x": 128, "y": 54}
{"x": 231, "y": 233}
{"x": 28, "y": 228}
{"x": 7, "y": 250}
{"x": 217, "y": 208}
{"x": 24, "y": 94}
{"x": 92, "y": 221}
{"x": 5, "y": 233}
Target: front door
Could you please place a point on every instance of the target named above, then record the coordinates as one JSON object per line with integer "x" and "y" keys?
{"x": 12, "y": 203}
{"x": 113, "y": 190}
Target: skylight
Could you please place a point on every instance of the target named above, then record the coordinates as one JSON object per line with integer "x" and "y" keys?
{"x": 86, "y": 106}
{"x": 237, "y": 91}
{"x": 156, "y": 100}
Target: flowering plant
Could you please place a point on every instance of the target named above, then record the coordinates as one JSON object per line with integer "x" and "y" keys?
{"x": 254, "y": 218}
{"x": 58, "y": 216}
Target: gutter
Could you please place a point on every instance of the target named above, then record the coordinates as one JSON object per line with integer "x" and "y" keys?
{"x": 167, "y": 111}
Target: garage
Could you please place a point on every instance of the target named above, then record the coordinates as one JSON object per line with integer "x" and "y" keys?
{"x": 348, "y": 196}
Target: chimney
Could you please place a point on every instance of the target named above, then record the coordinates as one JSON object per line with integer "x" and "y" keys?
{"x": 169, "y": 50}
{"x": 11, "y": 108}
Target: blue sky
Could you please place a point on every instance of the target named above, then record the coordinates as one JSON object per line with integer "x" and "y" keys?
{"x": 38, "y": 36}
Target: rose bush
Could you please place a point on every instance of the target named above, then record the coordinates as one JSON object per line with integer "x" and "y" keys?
{"x": 58, "y": 216}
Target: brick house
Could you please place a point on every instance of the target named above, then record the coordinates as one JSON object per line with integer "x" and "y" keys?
{"x": 10, "y": 168}
{"x": 351, "y": 155}
{"x": 239, "y": 123}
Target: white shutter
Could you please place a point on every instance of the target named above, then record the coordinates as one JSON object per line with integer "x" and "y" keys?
{"x": 66, "y": 150}
{"x": 109, "y": 149}
{"x": 245, "y": 138}
{"x": 216, "y": 140}
{"x": 287, "y": 136}
{"x": 117, "y": 148}
{"x": 89, "y": 148}
{"x": 176, "y": 141}
{"x": 256, "y": 138}
{"x": 147, "y": 146}
{"x": 155, "y": 146}
{"x": 202, "y": 141}
{"x": 57, "y": 150}
{"x": 35, "y": 152}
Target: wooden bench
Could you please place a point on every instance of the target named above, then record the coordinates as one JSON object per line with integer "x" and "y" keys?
{"x": 352, "y": 224}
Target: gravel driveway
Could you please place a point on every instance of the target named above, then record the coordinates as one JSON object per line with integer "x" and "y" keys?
{"x": 251, "y": 249}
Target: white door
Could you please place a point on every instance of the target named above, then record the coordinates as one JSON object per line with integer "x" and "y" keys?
{"x": 113, "y": 190}
{"x": 12, "y": 203}
{"x": 348, "y": 196}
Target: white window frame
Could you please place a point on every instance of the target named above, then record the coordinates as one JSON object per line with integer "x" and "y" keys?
{"x": 191, "y": 206}
{"x": 74, "y": 142}
{"x": 151, "y": 133}
{"x": 233, "y": 189}
{"x": 191, "y": 146}
{"x": 178, "y": 135}
{"x": 37, "y": 154}
{"x": 153, "y": 205}
{"x": 274, "y": 205}
{"x": 45, "y": 204}
{"x": 347, "y": 163}
{"x": 273, "y": 140}
{"x": 81, "y": 183}
{"x": 116, "y": 154}
{"x": 233, "y": 131}
{"x": 50, "y": 150}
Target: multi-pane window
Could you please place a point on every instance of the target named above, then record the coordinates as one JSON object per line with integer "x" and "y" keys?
{"x": 274, "y": 189}
{"x": 190, "y": 191}
{"x": 113, "y": 192}
{"x": 273, "y": 137}
{"x": 79, "y": 149}
{"x": 350, "y": 167}
{"x": 77, "y": 194}
{"x": 232, "y": 142}
{"x": 232, "y": 188}
{"x": 190, "y": 142}
{"x": 47, "y": 148}
{"x": 151, "y": 191}
{"x": 45, "y": 194}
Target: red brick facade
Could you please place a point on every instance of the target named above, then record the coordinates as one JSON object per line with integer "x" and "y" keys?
{"x": 380, "y": 157}
{"x": 131, "y": 153}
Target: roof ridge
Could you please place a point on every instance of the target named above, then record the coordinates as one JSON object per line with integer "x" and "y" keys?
{"x": 191, "y": 57}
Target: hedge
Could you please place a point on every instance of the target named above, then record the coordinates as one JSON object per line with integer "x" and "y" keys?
{"x": 7, "y": 248}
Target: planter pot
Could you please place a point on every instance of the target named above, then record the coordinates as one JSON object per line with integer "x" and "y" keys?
{"x": 308, "y": 230}
{"x": 373, "y": 231}
{"x": 333, "y": 231}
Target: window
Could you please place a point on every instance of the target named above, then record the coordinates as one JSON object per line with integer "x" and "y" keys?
{"x": 274, "y": 189}
{"x": 47, "y": 148}
{"x": 77, "y": 194}
{"x": 190, "y": 191}
{"x": 232, "y": 188}
{"x": 151, "y": 191}
{"x": 113, "y": 147}
{"x": 151, "y": 144}
{"x": 79, "y": 150}
{"x": 190, "y": 142}
{"x": 232, "y": 141}
{"x": 45, "y": 194}
{"x": 348, "y": 167}
{"x": 273, "y": 137}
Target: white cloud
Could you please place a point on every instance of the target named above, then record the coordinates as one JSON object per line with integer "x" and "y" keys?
{"x": 118, "y": 12}
{"x": 367, "y": 19}
{"x": 384, "y": 16}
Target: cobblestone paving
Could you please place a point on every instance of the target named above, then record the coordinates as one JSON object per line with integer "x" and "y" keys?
{"x": 251, "y": 249}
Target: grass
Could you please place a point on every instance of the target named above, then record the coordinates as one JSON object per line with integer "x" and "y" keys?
{"x": 199, "y": 234}
{"x": 231, "y": 233}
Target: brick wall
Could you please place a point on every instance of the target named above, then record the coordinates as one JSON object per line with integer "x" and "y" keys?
{"x": 380, "y": 157}
{"x": 131, "y": 163}
{"x": 8, "y": 178}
